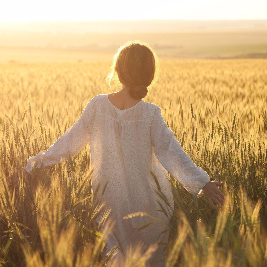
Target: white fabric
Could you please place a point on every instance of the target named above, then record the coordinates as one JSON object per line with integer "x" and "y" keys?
{"x": 125, "y": 145}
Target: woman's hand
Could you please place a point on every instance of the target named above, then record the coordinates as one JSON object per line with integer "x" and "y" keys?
{"x": 213, "y": 193}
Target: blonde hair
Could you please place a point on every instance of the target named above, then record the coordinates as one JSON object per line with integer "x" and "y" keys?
{"x": 135, "y": 64}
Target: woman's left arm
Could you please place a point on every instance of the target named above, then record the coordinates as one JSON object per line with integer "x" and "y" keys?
{"x": 174, "y": 159}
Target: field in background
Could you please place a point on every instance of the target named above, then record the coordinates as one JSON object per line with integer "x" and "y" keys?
{"x": 101, "y": 47}
{"x": 94, "y": 41}
{"x": 216, "y": 109}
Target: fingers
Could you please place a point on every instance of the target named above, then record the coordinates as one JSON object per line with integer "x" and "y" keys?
{"x": 218, "y": 183}
{"x": 220, "y": 194}
{"x": 214, "y": 194}
{"x": 217, "y": 199}
{"x": 211, "y": 203}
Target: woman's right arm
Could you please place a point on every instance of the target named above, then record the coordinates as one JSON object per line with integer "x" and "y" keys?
{"x": 71, "y": 142}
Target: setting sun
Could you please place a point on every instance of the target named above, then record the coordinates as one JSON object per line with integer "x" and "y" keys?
{"x": 50, "y": 10}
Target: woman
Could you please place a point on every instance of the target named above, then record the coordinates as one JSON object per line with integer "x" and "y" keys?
{"x": 130, "y": 145}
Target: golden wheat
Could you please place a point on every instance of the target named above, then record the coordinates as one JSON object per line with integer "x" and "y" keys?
{"x": 216, "y": 109}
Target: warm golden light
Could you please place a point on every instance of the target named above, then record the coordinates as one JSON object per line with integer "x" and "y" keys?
{"x": 54, "y": 10}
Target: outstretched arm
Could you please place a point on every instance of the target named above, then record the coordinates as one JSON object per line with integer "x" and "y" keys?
{"x": 174, "y": 159}
{"x": 71, "y": 142}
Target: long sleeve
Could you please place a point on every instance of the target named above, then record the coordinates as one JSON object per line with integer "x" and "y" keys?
{"x": 173, "y": 158}
{"x": 71, "y": 142}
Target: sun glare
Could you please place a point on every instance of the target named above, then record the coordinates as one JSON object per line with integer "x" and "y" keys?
{"x": 62, "y": 10}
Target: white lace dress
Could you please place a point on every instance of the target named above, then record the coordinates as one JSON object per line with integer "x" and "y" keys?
{"x": 125, "y": 146}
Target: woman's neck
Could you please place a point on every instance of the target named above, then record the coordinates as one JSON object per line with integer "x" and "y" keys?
{"x": 122, "y": 99}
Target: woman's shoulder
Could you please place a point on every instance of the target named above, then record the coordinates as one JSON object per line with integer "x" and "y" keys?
{"x": 97, "y": 97}
{"x": 152, "y": 106}
{"x": 150, "y": 110}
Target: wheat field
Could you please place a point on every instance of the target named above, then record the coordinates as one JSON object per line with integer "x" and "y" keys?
{"x": 217, "y": 109}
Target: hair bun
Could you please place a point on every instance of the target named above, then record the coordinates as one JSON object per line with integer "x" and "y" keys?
{"x": 139, "y": 91}
{"x": 140, "y": 88}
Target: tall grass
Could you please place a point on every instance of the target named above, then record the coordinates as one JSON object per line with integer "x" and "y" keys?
{"x": 216, "y": 109}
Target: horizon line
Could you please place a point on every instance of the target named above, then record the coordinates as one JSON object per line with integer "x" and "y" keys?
{"x": 130, "y": 20}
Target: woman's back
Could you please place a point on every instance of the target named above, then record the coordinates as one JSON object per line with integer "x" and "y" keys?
{"x": 122, "y": 156}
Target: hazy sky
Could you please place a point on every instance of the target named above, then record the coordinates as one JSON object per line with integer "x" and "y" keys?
{"x": 45, "y": 10}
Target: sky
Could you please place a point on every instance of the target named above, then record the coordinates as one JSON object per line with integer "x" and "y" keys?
{"x": 81, "y": 10}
